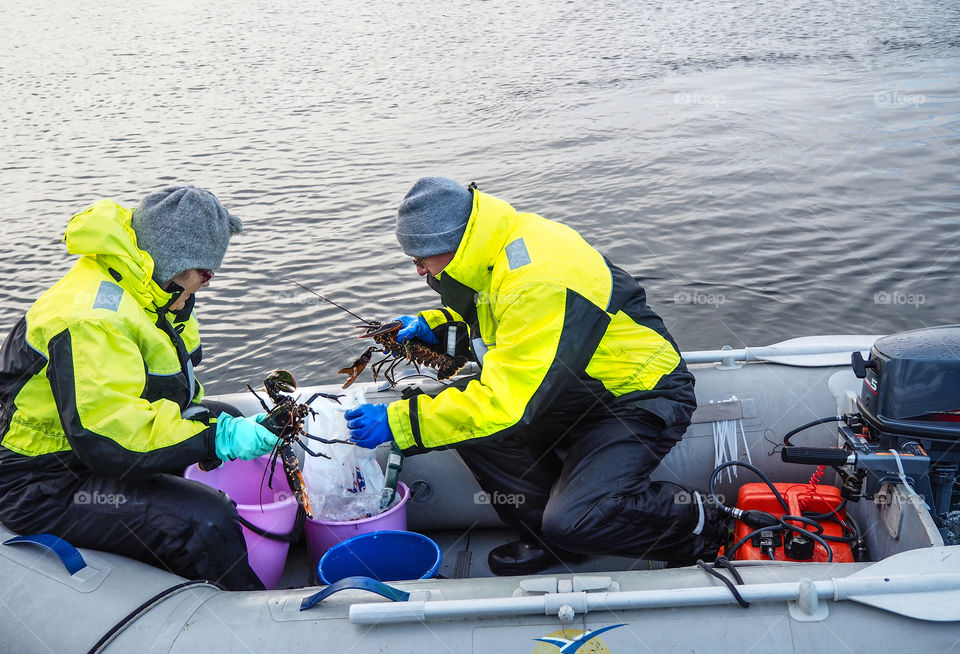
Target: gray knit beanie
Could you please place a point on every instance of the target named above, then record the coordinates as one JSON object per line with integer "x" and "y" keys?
{"x": 433, "y": 216}
{"x": 183, "y": 227}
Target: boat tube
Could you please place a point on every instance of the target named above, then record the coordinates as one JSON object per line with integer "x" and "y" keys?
{"x": 906, "y": 594}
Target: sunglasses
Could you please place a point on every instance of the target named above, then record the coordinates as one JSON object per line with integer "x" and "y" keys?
{"x": 206, "y": 273}
{"x": 418, "y": 261}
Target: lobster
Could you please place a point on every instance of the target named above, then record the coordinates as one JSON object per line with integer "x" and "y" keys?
{"x": 413, "y": 350}
{"x": 384, "y": 335}
{"x": 285, "y": 420}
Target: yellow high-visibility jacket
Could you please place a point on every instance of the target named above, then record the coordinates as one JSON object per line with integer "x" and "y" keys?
{"x": 98, "y": 372}
{"x": 561, "y": 325}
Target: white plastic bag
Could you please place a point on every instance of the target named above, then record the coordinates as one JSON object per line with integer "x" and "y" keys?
{"x": 346, "y": 486}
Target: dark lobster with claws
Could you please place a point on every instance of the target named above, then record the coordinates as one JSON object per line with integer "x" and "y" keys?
{"x": 412, "y": 350}
{"x": 384, "y": 334}
{"x": 285, "y": 420}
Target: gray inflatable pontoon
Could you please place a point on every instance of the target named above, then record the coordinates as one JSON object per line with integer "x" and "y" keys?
{"x": 906, "y": 597}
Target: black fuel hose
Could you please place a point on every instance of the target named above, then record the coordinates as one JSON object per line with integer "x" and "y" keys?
{"x": 813, "y": 423}
{"x": 782, "y": 527}
{"x": 755, "y": 470}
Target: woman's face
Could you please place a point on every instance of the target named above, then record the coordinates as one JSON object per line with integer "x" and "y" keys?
{"x": 191, "y": 281}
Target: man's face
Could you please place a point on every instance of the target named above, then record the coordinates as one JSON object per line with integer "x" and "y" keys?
{"x": 433, "y": 264}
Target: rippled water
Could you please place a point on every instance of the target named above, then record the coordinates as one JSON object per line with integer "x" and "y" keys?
{"x": 771, "y": 169}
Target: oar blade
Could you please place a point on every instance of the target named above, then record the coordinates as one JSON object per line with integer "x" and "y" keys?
{"x": 936, "y": 605}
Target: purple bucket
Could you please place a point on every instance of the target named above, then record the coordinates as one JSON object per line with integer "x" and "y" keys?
{"x": 271, "y": 509}
{"x": 324, "y": 534}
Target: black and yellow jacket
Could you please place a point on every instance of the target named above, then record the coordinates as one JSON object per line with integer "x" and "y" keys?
{"x": 563, "y": 329}
{"x": 97, "y": 374}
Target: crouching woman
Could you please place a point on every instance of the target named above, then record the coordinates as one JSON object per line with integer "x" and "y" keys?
{"x": 100, "y": 410}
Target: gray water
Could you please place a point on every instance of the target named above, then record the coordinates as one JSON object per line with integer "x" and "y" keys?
{"x": 771, "y": 169}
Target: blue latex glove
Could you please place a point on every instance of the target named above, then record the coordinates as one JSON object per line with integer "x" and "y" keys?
{"x": 242, "y": 438}
{"x": 368, "y": 425}
{"x": 415, "y": 328}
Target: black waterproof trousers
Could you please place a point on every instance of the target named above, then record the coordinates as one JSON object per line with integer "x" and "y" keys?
{"x": 581, "y": 482}
{"x": 162, "y": 519}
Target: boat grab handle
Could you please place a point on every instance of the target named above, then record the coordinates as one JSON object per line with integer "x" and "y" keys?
{"x": 67, "y": 553}
{"x": 356, "y": 583}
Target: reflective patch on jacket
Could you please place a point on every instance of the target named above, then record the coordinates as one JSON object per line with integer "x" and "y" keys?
{"x": 517, "y": 254}
{"x": 108, "y": 296}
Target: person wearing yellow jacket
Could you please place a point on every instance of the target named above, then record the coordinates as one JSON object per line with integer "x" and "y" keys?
{"x": 100, "y": 411}
{"x": 582, "y": 390}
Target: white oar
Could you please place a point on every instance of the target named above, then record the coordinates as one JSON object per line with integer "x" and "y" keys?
{"x": 922, "y": 584}
{"x": 808, "y": 351}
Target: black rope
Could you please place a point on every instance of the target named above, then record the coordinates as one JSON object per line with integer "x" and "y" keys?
{"x": 729, "y": 584}
{"x": 724, "y": 562}
{"x": 127, "y": 620}
{"x": 292, "y": 537}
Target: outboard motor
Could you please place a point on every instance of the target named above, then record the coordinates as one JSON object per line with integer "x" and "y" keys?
{"x": 907, "y": 427}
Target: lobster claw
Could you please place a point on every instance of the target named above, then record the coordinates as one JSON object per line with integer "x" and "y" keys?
{"x": 372, "y": 331}
{"x": 357, "y": 366}
{"x": 281, "y": 380}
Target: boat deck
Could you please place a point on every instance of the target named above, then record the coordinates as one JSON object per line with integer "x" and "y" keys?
{"x": 464, "y": 557}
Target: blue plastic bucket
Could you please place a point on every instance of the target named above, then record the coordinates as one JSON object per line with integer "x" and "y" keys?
{"x": 382, "y": 555}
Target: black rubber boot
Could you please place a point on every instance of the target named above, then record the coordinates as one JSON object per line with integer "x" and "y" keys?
{"x": 525, "y": 558}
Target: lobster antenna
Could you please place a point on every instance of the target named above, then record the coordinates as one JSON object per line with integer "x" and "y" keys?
{"x": 327, "y": 300}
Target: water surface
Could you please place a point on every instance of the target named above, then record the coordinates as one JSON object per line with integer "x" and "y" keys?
{"x": 770, "y": 169}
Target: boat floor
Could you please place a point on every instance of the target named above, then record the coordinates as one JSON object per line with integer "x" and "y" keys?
{"x": 465, "y": 556}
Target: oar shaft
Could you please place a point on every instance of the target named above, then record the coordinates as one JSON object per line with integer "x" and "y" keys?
{"x": 835, "y": 589}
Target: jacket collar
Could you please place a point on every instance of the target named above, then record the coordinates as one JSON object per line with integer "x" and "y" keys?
{"x": 103, "y": 232}
{"x": 490, "y": 225}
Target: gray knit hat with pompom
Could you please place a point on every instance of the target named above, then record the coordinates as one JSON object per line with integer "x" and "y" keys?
{"x": 183, "y": 227}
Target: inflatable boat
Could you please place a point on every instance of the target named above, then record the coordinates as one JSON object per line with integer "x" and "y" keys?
{"x": 870, "y": 424}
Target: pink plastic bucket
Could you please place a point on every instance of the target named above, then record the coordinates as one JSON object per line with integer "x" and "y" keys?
{"x": 324, "y": 534}
{"x": 271, "y": 509}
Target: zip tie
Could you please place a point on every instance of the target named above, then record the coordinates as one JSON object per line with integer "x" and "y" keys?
{"x": 745, "y": 446}
{"x": 903, "y": 479}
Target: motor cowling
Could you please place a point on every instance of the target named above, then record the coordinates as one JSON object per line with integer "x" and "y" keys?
{"x": 911, "y": 391}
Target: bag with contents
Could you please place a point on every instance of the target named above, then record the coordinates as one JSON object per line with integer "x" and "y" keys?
{"x": 346, "y": 486}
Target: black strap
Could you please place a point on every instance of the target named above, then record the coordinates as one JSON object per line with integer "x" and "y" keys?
{"x": 291, "y": 537}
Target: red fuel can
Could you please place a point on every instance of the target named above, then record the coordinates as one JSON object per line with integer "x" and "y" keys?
{"x": 801, "y": 498}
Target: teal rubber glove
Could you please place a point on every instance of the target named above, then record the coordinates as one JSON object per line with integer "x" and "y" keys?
{"x": 368, "y": 425}
{"x": 243, "y": 438}
{"x": 415, "y": 328}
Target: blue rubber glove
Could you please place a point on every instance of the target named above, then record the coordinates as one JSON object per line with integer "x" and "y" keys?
{"x": 242, "y": 438}
{"x": 415, "y": 328}
{"x": 368, "y": 425}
